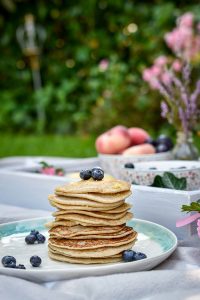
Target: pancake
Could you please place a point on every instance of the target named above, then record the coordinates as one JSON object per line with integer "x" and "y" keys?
{"x": 65, "y": 223}
{"x": 82, "y": 219}
{"x": 120, "y": 208}
{"x": 112, "y": 186}
{"x": 86, "y": 261}
{"x": 90, "y": 243}
{"x": 84, "y": 202}
{"x": 90, "y": 253}
{"x": 88, "y": 235}
{"x": 102, "y": 215}
{"x": 108, "y": 199}
{"x": 82, "y": 230}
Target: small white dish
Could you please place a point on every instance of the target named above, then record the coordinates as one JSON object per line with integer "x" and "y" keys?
{"x": 113, "y": 163}
{"x": 156, "y": 241}
{"x": 144, "y": 173}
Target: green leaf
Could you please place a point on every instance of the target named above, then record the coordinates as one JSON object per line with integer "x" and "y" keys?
{"x": 194, "y": 206}
{"x": 170, "y": 181}
{"x": 44, "y": 164}
{"x": 158, "y": 182}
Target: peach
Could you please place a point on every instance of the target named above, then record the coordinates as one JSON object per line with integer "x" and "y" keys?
{"x": 138, "y": 135}
{"x": 140, "y": 150}
{"x": 113, "y": 141}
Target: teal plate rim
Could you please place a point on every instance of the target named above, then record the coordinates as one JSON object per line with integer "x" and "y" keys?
{"x": 22, "y": 226}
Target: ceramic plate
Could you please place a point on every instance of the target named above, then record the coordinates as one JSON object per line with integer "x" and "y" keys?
{"x": 156, "y": 241}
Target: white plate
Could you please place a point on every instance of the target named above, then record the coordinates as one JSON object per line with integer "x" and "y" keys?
{"x": 156, "y": 241}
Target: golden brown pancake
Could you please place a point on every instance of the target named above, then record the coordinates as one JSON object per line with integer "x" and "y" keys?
{"x": 86, "y": 261}
{"x": 82, "y": 230}
{"x": 102, "y": 215}
{"x": 90, "y": 243}
{"x": 89, "y": 253}
{"x": 83, "y": 201}
{"x": 63, "y": 233}
{"x": 82, "y": 219}
{"x": 92, "y": 186}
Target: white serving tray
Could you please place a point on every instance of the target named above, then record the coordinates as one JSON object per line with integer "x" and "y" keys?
{"x": 163, "y": 206}
{"x": 19, "y": 186}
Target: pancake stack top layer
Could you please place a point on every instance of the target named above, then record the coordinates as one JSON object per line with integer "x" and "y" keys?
{"x": 89, "y": 225}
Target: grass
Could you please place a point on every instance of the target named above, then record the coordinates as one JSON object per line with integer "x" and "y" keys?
{"x": 46, "y": 145}
{"x": 50, "y": 145}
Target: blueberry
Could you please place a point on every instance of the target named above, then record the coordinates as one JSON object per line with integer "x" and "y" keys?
{"x": 163, "y": 139}
{"x": 97, "y": 174}
{"x": 30, "y": 239}
{"x": 34, "y": 232}
{"x": 40, "y": 238}
{"x": 7, "y": 260}
{"x": 139, "y": 256}
{"x": 12, "y": 265}
{"x": 35, "y": 261}
{"x": 162, "y": 148}
{"x": 20, "y": 267}
{"x": 129, "y": 165}
{"x": 128, "y": 255}
{"x": 85, "y": 174}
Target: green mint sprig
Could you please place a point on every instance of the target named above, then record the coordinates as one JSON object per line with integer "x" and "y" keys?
{"x": 194, "y": 206}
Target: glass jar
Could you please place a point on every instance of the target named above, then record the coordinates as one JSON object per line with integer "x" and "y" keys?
{"x": 185, "y": 148}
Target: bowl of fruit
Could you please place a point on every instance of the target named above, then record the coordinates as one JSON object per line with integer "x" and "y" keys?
{"x": 121, "y": 145}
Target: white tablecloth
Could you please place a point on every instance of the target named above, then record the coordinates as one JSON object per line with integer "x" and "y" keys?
{"x": 177, "y": 278}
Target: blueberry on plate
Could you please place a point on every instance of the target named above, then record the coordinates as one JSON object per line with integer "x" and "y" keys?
{"x": 97, "y": 174}
{"x": 128, "y": 255}
{"x": 30, "y": 239}
{"x": 22, "y": 267}
{"x": 34, "y": 232}
{"x": 139, "y": 256}
{"x": 40, "y": 238}
{"x": 162, "y": 148}
{"x": 12, "y": 265}
{"x": 8, "y": 260}
{"x": 35, "y": 261}
{"x": 129, "y": 166}
{"x": 85, "y": 174}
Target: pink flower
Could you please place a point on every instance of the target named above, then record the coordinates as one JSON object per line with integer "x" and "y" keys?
{"x": 198, "y": 227}
{"x": 177, "y": 65}
{"x": 154, "y": 84}
{"x": 48, "y": 171}
{"x": 166, "y": 78}
{"x": 186, "y": 20}
{"x": 156, "y": 70}
{"x": 161, "y": 60}
{"x": 103, "y": 65}
{"x": 147, "y": 75}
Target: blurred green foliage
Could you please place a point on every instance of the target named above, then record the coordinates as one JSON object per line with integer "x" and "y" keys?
{"x": 77, "y": 95}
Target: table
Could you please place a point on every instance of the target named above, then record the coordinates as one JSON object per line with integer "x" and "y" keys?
{"x": 176, "y": 278}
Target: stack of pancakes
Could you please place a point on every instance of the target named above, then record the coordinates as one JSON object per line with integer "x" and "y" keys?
{"x": 89, "y": 225}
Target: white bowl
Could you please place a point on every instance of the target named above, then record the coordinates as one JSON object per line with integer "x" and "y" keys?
{"x": 145, "y": 172}
{"x": 163, "y": 206}
{"x": 113, "y": 163}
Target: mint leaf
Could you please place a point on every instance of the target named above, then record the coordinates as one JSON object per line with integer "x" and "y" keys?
{"x": 158, "y": 182}
{"x": 170, "y": 181}
{"x": 194, "y": 206}
{"x": 44, "y": 164}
